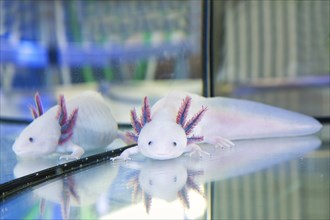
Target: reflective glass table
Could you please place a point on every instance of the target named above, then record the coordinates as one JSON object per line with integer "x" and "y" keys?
{"x": 283, "y": 178}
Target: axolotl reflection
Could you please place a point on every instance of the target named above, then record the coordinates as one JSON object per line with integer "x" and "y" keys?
{"x": 173, "y": 179}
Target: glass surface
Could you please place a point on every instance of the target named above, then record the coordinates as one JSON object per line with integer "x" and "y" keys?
{"x": 283, "y": 178}
{"x": 278, "y": 53}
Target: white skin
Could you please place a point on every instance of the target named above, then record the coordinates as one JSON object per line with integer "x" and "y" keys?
{"x": 41, "y": 138}
{"x": 237, "y": 119}
{"x": 162, "y": 139}
{"x": 233, "y": 118}
{"x": 95, "y": 127}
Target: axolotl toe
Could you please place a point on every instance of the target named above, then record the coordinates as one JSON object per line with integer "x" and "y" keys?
{"x": 83, "y": 123}
{"x": 180, "y": 120}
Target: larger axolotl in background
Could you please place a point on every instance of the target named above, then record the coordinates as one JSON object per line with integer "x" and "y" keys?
{"x": 164, "y": 131}
{"x": 83, "y": 123}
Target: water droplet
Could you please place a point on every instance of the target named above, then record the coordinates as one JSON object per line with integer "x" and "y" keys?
{"x": 59, "y": 171}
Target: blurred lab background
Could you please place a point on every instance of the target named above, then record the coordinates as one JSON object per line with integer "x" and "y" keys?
{"x": 112, "y": 46}
{"x": 271, "y": 51}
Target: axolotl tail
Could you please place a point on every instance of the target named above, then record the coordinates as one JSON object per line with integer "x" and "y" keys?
{"x": 242, "y": 119}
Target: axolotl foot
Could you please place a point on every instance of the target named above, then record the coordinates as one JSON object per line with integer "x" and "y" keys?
{"x": 68, "y": 157}
{"x": 194, "y": 148}
{"x": 218, "y": 141}
{"x": 120, "y": 157}
{"x": 125, "y": 155}
{"x": 76, "y": 150}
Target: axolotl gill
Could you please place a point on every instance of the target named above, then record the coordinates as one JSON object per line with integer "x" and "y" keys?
{"x": 83, "y": 123}
{"x": 170, "y": 129}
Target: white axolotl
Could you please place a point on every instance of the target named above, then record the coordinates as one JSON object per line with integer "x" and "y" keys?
{"x": 164, "y": 132}
{"x": 89, "y": 126}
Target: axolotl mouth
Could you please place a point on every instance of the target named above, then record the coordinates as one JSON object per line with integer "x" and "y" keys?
{"x": 163, "y": 156}
{"x": 25, "y": 154}
{"x": 22, "y": 153}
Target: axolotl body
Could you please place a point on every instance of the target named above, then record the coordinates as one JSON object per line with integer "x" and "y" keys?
{"x": 170, "y": 129}
{"x": 83, "y": 123}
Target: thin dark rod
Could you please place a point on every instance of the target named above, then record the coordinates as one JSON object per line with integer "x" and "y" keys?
{"x": 207, "y": 50}
{"x": 15, "y": 186}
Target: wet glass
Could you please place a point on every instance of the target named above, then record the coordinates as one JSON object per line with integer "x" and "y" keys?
{"x": 283, "y": 178}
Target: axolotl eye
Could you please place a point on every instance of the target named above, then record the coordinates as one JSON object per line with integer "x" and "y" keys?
{"x": 174, "y": 144}
{"x": 31, "y": 139}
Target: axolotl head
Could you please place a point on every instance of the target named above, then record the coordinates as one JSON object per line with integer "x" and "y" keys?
{"x": 38, "y": 138}
{"x": 162, "y": 141}
{"x": 47, "y": 131}
{"x": 165, "y": 139}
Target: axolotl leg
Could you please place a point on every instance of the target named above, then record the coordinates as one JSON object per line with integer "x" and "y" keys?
{"x": 195, "y": 148}
{"x": 218, "y": 141}
{"x": 188, "y": 126}
{"x": 76, "y": 150}
{"x": 125, "y": 155}
{"x": 124, "y": 137}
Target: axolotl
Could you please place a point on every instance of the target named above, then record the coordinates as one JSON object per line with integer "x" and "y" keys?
{"x": 83, "y": 123}
{"x": 169, "y": 129}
